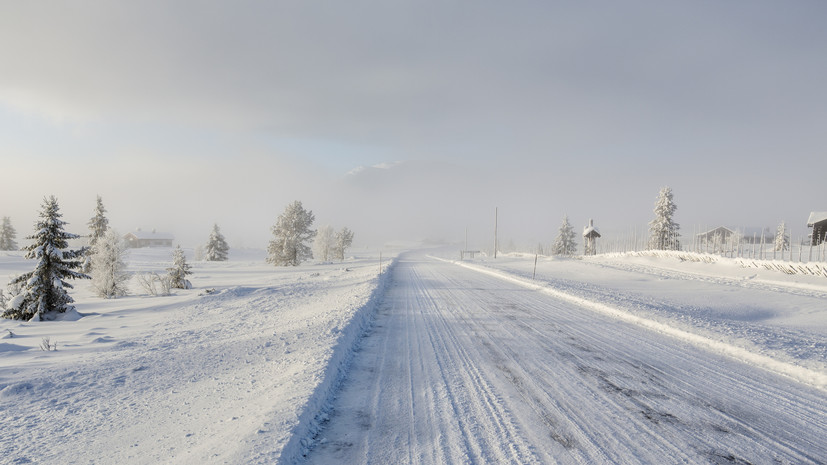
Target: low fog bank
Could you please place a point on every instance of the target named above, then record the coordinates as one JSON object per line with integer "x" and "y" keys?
{"x": 437, "y": 202}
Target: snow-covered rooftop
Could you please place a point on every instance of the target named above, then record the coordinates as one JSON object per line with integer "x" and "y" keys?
{"x": 141, "y": 234}
{"x": 816, "y": 217}
{"x": 587, "y": 230}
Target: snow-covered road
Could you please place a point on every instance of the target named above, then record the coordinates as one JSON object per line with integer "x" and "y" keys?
{"x": 464, "y": 367}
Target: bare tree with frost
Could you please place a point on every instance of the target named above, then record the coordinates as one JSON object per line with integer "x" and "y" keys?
{"x": 109, "y": 276}
{"x": 323, "y": 243}
{"x": 291, "y": 234}
{"x": 43, "y": 292}
{"x": 342, "y": 241}
{"x": 663, "y": 231}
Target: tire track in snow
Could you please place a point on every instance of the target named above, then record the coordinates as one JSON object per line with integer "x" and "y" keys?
{"x": 500, "y": 373}
{"x": 809, "y": 410}
{"x": 432, "y": 402}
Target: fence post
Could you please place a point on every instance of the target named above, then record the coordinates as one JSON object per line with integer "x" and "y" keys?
{"x": 534, "y": 275}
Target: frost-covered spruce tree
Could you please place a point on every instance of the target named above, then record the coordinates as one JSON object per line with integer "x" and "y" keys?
{"x": 343, "y": 240}
{"x": 7, "y": 235}
{"x": 782, "y": 239}
{"x": 291, "y": 234}
{"x": 43, "y": 291}
{"x": 180, "y": 270}
{"x": 98, "y": 226}
{"x": 323, "y": 243}
{"x": 564, "y": 243}
{"x": 109, "y": 276}
{"x": 663, "y": 231}
{"x": 216, "y": 249}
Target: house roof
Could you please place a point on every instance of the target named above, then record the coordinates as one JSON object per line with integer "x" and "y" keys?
{"x": 140, "y": 234}
{"x": 716, "y": 230}
{"x": 816, "y": 217}
{"x": 590, "y": 230}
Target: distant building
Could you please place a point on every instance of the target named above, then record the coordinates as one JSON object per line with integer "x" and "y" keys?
{"x": 817, "y": 221}
{"x": 720, "y": 234}
{"x": 590, "y": 235}
{"x": 755, "y": 235}
{"x": 138, "y": 239}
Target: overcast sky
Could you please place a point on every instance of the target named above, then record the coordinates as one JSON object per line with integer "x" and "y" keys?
{"x": 412, "y": 120}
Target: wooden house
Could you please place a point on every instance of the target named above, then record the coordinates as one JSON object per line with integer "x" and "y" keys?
{"x": 720, "y": 234}
{"x": 590, "y": 235}
{"x": 817, "y": 221}
{"x": 138, "y": 239}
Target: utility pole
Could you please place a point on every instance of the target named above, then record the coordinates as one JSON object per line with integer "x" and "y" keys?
{"x": 495, "y": 232}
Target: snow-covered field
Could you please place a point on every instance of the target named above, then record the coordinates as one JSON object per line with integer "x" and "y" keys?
{"x": 234, "y": 376}
{"x": 277, "y": 362}
{"x": 780, "y": 316}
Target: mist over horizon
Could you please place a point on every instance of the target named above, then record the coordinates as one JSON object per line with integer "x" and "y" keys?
{"x": 413, "y": 121}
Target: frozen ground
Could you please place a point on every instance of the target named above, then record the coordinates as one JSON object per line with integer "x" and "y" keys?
{"x": 610, "y": 359}
{"x": 467, "y": 364}
{"x": 228, "y": 377}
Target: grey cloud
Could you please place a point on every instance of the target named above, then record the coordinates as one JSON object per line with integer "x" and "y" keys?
{"x": 541, "y": 107}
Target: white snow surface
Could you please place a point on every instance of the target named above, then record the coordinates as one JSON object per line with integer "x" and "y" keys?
{"x": 470, "y": 364}
{"x": 234, "y": 376}
{"x": 628, "y": 358}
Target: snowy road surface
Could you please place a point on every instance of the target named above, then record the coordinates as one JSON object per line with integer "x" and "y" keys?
{"x": 463, "y": 367}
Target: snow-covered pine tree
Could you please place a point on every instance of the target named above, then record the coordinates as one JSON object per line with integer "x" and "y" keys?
{"x": 43, "y": 293}
{"x": 7, "y": 235}
{"x": 216, "y": 249}
{"x": 323, "y": 243}
{"x": 180, "y": 270}
{"x": 663, "y": 231}
{"x": 290, "y": 235}
{"x": 782, "y": 239}
{"x": 564, "y": 243}
{"x": 98, "y": 226}
{"x": 109, "y": 276}
{"x": 343, "y": 240}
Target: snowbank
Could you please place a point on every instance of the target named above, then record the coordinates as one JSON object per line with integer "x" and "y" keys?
{"x": 239, "y": 374}
{"x": 793, "y": 346}
{"x": 317, "y": 409}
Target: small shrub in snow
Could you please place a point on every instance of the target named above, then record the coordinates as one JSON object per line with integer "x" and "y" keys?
{"x": 47, "y": 345}
{"x": 155, "y": 284}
